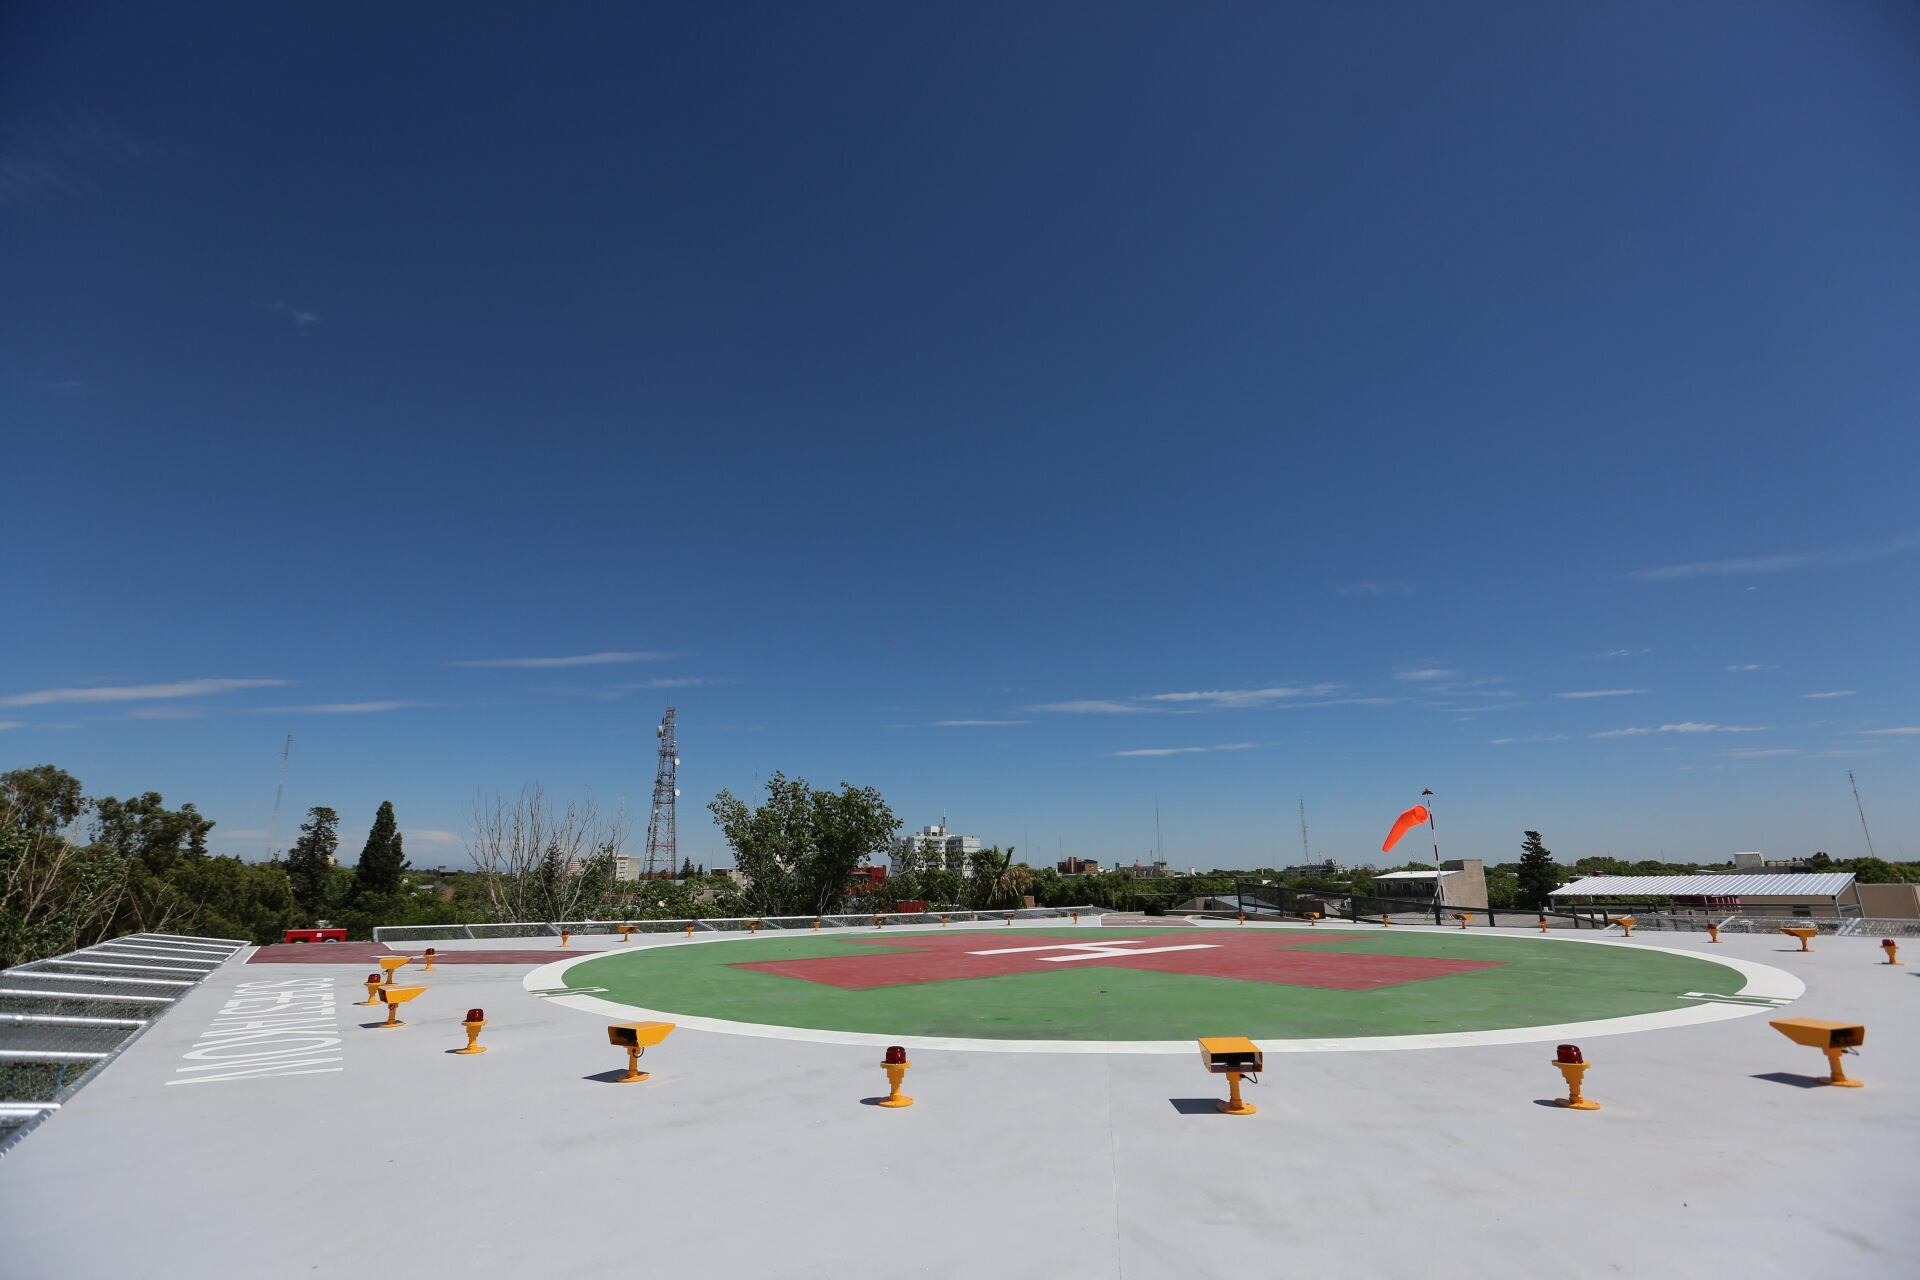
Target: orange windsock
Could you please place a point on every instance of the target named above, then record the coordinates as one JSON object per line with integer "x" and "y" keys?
{"x": 1407, "y": 822}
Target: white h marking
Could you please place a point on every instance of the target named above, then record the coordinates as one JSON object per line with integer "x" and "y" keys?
{"x": 1119, "y": 948}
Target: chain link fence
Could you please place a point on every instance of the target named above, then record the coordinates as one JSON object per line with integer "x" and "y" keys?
{"x": 63, "y": 1017}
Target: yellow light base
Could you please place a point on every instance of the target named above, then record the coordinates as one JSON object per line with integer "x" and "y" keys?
{"x": 1234, "y": 1104}
{"x": 896, "y": 1074}
{"x": 1575, "y": 1100}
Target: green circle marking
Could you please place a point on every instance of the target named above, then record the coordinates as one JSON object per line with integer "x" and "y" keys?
{"x": 1535, "y": 982}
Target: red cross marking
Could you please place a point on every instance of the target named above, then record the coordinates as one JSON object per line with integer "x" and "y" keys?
{"x": 1262, "y": 956}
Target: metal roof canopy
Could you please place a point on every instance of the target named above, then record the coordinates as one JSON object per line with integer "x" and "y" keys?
{"x": 1829, "y": 884}
{"x": 1413, "y": 875}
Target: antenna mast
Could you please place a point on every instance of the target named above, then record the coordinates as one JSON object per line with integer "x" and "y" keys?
{"x": 663, "y": 833}
{"x": 1159, "y": 851}
{"x": 1863, "y": 814}
{"x": 273, "y": 823}
{"x": 1304, "y": 848}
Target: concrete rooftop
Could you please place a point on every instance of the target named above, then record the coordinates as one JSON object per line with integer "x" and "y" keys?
{"x": 755, "y": 1156}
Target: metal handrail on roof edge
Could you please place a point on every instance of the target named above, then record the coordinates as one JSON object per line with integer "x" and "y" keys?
{"x": 43, "y": 1047}
{"x": 729, "y": 924}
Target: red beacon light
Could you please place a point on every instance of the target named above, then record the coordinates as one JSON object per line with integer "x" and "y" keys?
{"x": 896, "y": 1056}
{"x": 1569, "y": 1053}
{"x": 476, "y": 1015}
{"x": 375, "y": 978}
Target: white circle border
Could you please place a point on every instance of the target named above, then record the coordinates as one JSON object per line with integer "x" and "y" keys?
{"x": 1764, "y": 982}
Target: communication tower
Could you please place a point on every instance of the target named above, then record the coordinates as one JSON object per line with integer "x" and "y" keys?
{"x": 663, "y": 839}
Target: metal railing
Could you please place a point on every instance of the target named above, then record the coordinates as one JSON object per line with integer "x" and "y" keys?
{"x": 64, "y": 1016}
{"x": 729, "y": 924}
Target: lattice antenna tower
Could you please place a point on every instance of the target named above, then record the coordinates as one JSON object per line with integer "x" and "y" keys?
{"x": 273, "y": 823}
{"x": 1304, "y": 849}
{"x": 1863, "y": 814}
{"x": 663, "y": 832}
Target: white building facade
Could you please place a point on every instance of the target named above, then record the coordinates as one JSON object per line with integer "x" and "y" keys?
{"x": 934, "y": 847}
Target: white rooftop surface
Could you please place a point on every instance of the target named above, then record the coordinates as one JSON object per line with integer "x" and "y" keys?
{"x": 755, "y": 1156}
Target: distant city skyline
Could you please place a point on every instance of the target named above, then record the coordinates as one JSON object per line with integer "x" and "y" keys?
{"x": 1037, "y": 416}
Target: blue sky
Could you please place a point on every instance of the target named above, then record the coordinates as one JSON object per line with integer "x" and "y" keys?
{"x": 1032, "y": 411}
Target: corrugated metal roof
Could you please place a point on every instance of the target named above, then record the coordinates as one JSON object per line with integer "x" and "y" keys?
{"x": 1412, "y": 875}
{"x": 1827, "y": 884}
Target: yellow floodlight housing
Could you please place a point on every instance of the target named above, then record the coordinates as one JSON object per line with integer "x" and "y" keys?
{"x": 1815, "y": 1034}
{"x": 1230, "y": 1056}
{"x": 1224, "y": 1054}
{"x": 638, "y": 1035}
{"x": 393, "y": 997}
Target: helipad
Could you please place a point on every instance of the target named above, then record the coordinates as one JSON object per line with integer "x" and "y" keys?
{"x": 209, "y": 1151}
{"x": 1093, "y": 990}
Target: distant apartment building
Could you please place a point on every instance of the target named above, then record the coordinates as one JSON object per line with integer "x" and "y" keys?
{"x": 934, "y": 847}
{"x": 1322, "y": 870}
{"x": 1146, "y": 870}
{"x": 1759, "y": 864}
{"x": 1077, "y": 867}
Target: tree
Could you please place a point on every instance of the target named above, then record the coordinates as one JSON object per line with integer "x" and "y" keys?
{"x": 311, "y": 859}
{"x": 686, "y": 868}
{"x": 43, "y": 798}
{"x": 143, "y": 828}
{"x": 382, "y": 860}
{"x": 799, "y": 848}
{"x": 1538, "y": 874}
{"x": 536, "y": 864}
{"x": 55, "y": 895}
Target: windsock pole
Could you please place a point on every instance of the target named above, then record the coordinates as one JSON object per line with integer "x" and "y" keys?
{"x": 1439, "y": 876}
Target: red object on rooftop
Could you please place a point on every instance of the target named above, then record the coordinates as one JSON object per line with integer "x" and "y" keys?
{"x": 896, "y": 1055}
{"x": 314, "y": 935}
{"x": 476, "y": 1015}
{"x": 374, "y": 977}
{"x": 1569, "y": 1053}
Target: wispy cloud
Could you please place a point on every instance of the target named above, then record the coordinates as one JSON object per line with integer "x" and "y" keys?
{"x": 341, "y": 708}
{"x": 1245, "y": 697}
{"x": 431, "y": 836}
{"x": 301, "y": 317}
{"x": 1830, "y": 693}
{"x": 1745, "y": 666}
{"x": 1624, "y": 653}
{"x": 134, "y": 692}
{"x": 677, "y": 682}
{"x": 1425, "y": 675}
{"x": 577, "y": 660}
{"x": 1684, "y": 726}
{"x": 60, "y": 156}
{"x": 1538, "y": 737}
{"x": 1905, "y": 730}
{"x": 1092, "y": 707}
{"x": 1375, "y": 589}
{"x": 167, "y": 713}
{"x": 12, "y": 724}
{"x": 1834, "y": 557}
{"x": 1184, "y": 751}
{"x": 969, "y": 724}
{"x": 1759, "y": 753}
{"x": 1601, "y": 693}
